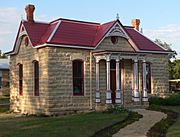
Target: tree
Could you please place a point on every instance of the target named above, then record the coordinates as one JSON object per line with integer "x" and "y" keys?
{"x": 174, "y": 69}
{"x": 2, "y": 55}
{"x": 168, "y": 47}
{"x": 174, "y": 65}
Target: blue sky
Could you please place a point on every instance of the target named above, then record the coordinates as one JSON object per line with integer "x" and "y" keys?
{"x": 159, "y": 18}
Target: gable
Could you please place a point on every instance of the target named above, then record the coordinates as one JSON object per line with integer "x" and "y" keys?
{"x": 117, "y": 30}
{"x": 121, "y": 45}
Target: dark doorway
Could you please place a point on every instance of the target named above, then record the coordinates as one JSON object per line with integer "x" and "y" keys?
{"x": 148, "y": 77}
{"x": 113, "y": 80}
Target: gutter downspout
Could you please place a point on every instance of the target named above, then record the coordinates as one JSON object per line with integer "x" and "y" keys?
{"x": 90, "y": 71}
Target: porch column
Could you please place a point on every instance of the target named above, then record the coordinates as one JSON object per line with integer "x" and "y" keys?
{"x": 108, "y": 92}
{"x": 118, "y": 89}
{"x": 135, "y": 91}
{"x": 98, "y": 100}
{"x": 144, "y": 92}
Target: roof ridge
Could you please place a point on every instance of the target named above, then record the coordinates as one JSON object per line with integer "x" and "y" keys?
{"x": 75, "y": 21}
{"x": 39, "y": 22}
{"x": 131, "y": 27}
{"x": 54, "y": 31}
{"x": 108, "y": 22}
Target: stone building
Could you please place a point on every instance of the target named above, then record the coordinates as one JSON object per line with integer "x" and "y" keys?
{"x": 4, "y": 76}
{"x": 67, "y": 65}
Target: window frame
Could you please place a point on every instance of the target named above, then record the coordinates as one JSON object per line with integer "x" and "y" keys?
{"x": 36, "y": 77}
{"x": 82, "y": 73}
{"x": 20, "y": 79}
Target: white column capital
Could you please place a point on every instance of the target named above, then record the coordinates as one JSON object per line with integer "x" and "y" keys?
{"x": 135, "y": 60}
{"x": 97, "y": 59}
{"x": 144, "y": 61}
{"x": 108, "y": 57}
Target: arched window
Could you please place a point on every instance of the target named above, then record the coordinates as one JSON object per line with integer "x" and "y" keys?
{"x": 20, "y": 79}
{"x": 36, "y": 78}
{"x": 78, "y": 77}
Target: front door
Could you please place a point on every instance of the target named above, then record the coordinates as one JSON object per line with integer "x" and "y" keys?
{"x": 113, "y": 80}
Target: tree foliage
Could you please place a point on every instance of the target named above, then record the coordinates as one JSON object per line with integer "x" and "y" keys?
{"x": 167, "y": 47}
{"x": 174, "y": 69}
{"x": 2, "y": 55}
{"x": 174, "y": 65}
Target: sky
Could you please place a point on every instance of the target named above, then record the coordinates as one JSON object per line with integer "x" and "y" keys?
{"x": 160, "y": 19}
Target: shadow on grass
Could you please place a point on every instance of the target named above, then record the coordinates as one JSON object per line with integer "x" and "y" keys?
{"x": 160, "y": 128}
{"x": 112, "y": 129}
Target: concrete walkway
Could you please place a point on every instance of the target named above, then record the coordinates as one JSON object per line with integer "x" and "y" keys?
{"x": 141, "y": 127}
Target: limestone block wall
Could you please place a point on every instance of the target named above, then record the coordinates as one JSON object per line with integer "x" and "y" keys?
{"x": 121, "y": 45}
{"x": 28, "y": 103}
{"x": 102, "y": 82}
{"x": 159, "y": 74}
{"x": 56, "y": 79}
{"x": 61, "y": 98}
{"x": 127, "y": 82}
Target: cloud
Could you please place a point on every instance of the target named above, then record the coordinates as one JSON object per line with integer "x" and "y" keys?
{"x": 9, "y": 21}
{"x": 169, "y": 34}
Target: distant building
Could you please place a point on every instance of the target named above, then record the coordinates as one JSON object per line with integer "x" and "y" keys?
{"x": 174, "y": 85}
{"x": 4, "y": 76}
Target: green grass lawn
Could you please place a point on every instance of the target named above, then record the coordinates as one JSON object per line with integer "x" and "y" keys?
{"x": 4, "y": 99}
{"x": 4, "y": 104}
{"x": 100, "y": 124}
{"x": 80, "y": 125}
{"x": 174, "y": 130}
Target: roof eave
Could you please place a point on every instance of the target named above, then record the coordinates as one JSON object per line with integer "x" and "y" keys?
{"x": 155, "y": 51}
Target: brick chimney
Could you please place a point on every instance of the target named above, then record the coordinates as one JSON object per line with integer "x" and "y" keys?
{"x": 29, "y": 12}
{"x": 135, "y": 23}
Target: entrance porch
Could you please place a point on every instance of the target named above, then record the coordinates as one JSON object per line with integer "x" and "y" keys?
{"x": 121, "y": 79}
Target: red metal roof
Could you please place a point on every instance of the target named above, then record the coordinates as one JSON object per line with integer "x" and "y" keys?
{"x": 79, "y": 33}
{"x": 142, "y": 42}
{"x": 75, "y": 33}
{"x": 35, "y": 31}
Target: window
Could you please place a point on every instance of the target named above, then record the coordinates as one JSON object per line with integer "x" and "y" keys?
{"x": 114, "y": 39}
{"x": 26, "y": 41}
{"x": 78, "y": 77}
{"x": 148, "y": 77}
{"x": 36, "y": 78}
{"x": 20, "y": 79}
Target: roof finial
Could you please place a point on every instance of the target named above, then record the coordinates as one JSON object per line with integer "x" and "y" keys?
{"x": 117, "y": 16}
{"x": 22, "y": 18}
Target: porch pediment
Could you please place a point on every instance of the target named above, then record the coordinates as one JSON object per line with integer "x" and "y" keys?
{"x": 120, "y": 41}
{"x": 118, "y": 31}
{"x": 121, "y": 45}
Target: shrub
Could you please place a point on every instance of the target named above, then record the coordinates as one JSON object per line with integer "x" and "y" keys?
{"x": 156, "y": 101}
{"x": 172, "y": 100}
{"x": 115, "y": 109}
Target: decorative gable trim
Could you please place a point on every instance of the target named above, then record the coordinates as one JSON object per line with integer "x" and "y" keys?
{"x": 117, "y": 30}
